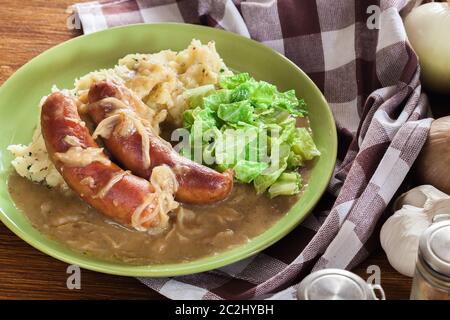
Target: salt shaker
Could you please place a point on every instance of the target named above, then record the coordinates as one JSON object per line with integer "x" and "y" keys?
{"x": 337, "y": 284}
{"x": 432, "y": 275}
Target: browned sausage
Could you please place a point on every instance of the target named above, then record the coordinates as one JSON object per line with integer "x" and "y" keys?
{"x": 64, "y": 132}
{"x": 197, "y": 184}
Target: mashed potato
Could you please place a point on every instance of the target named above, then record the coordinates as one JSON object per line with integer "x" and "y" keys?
{"x": 159, "y": 79}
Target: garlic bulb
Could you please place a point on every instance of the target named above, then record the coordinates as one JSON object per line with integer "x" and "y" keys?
{"x": 400, "y": 233}
{"x": 433, "y": 163}
{"x": 428, "y": 30}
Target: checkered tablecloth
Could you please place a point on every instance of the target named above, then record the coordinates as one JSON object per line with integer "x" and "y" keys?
{"x": 357, "y": 54}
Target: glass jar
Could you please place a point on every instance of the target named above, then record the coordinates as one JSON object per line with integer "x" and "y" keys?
{"x": 432, "y": 276}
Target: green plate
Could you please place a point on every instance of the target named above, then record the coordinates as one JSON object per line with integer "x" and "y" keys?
{"x": 20, "y": 95}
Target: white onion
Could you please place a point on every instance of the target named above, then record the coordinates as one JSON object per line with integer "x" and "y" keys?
{"x": 428, "y": 29}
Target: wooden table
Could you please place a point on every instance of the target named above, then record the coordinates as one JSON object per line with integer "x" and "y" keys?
{"x": 27, "y": 28}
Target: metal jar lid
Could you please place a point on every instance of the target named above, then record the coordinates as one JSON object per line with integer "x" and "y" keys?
{"x": 434, "y": 247}
{"x": 334, "y": 284}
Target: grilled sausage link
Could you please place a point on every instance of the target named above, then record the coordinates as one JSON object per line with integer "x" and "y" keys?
{"x": 88, "y": 171}
{"x": 198, "y": 184}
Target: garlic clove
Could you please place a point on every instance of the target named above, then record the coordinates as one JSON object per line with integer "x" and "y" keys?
{"x": 400, "y": 233}
{"x": 399, "y": 238}
{"x": 418, "y": 196}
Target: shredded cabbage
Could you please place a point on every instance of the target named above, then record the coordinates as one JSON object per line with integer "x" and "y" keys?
{"x": 249, "y": 126}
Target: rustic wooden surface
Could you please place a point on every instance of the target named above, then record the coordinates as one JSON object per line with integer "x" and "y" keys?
{"x": 28, "y": 28}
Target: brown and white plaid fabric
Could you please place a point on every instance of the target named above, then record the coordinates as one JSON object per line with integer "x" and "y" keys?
{"x": 370, "y": 77}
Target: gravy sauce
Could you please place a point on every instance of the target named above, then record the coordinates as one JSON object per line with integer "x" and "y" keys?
{"x": 195, "y": 231}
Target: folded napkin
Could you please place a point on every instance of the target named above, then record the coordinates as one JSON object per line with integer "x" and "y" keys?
{"x": 356, "y": 53}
